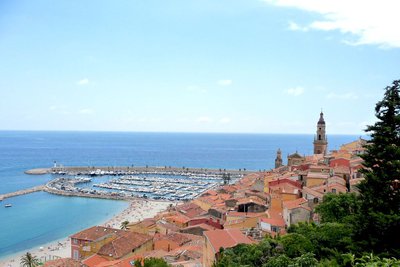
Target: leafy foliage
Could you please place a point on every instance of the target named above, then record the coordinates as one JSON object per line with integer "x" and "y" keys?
{"x": 379, "y": 219}
{"x": 152, "y": 262}
{"x": 124, "y": 225}
{"x": 28, "y": 260}
{"x": 338, "y": 207}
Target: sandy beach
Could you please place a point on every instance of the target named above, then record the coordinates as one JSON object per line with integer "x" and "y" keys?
{"x": 138, "y": 210}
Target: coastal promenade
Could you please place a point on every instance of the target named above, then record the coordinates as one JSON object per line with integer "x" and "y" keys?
{"x": 22, "y": 192}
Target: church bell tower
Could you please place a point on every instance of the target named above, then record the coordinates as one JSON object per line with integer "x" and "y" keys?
{"x": 320, "y": 140}
{"x": 278, "y": 160}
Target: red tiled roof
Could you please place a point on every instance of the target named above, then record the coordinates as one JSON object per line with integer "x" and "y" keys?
{"x": 94, "y": 260}
{"x": 252, "y": 199}
{"x": 124, "y": 244}
{"x": 245, "y": 214}
{"x": 167, "y": 225}
{"x": 177, "y": 238}
{"x": 319, "y": 175}
{"x": 226, "y": 238}
{"x": 179, "y": 218}
{"x": 278, "y": 221}
{"x": 96, "y": 232}
{"x": 145, "y": 223}
{"x": 294, "y": 203}
{"x": 67, "y": 262}
{"x": 310, "y": 191}
{"x": 190, "y": 210}
{"x": 279, "y": 181}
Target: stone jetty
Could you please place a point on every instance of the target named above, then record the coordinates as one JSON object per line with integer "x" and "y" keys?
{"x": 22, "y": 192}
{"x": 97, "y": 170}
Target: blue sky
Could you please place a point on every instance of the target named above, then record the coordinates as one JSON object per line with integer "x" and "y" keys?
{"x": 258, "y": 66}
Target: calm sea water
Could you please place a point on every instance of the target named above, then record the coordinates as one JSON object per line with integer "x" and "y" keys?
{"x": 39, "y": 218}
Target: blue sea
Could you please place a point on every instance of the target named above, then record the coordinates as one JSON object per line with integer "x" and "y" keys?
{"x": 39, "y": 218}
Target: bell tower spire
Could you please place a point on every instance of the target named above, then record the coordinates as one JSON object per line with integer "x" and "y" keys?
{"x": 278, "y": 159}
{"x": 320, "y": 140}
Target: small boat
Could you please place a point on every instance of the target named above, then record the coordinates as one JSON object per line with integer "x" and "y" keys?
{"x": 8, "y": 205}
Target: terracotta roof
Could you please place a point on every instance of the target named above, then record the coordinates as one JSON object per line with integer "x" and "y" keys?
{"x": 277, "y": 221}
{"x": 177, "y": 238}
{"x": 284, "y": 186}
{"x": 341, "y": 169}
{"x": 124, "y": 244}
{"x": 201, "y": 225}
{"x": 167, "y": 225}
{"x": 336, "y": 179}
{"x": 211, "y": 192}
{"x": 120, "y": 263}
{"x": 312, "y": 192}
{"x": 146, "y": 223}
{"x": 67, "y": 262}
{"x": 96, "y": 232}
{"x": 245, "y": 214}
{"x": 314, "y": 168}
{"x": 252, "y": 199}
{"x": 230, "y": 188}
{"x": 157, "y": 253}
{"x": 94, "y": 260}
{"x": 190, "y": 210}
{"x": 226, "y": 238}
{"x": 292, "y": 204}
{"x": 318, "y": 175}
{"x": 179, "y": 218}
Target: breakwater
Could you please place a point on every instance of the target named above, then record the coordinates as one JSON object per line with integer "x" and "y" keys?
{"x": 22, "y": 192}
{"x": 124, "y": 170}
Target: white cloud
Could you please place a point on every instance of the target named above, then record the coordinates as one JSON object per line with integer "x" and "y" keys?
{"x": 342, "y": 96}
{"x": 296, "y": 91}
{"x": 86, "y": 111}
{"x": 370, "y": 22}
{"x": 225, "y": 82}
{"x": 225, "y": 120}
{"x": 83, "y": 82}
{"x": 293, "y": 26}
{"x": 204, "y": 119}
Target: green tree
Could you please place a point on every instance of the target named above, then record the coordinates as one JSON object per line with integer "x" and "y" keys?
{"x": 124, "y": 225}
{"x": 379, "y": 221}
{"x": 151, "y": 262}
{"x": 28, "y": 260}
{"x": 278, "y": 261}
{"x": 327, "y": 239}
{"x": 305, "y": 260}
{"x": 338, "y": 207}
{"x": 294, "y": 245}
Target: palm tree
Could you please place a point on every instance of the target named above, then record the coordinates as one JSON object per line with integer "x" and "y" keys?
{"x": 124, "y": 225}
{"x": 28, "y": 260}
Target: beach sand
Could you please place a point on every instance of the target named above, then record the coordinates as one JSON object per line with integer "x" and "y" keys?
{"x": 138, "y": 210}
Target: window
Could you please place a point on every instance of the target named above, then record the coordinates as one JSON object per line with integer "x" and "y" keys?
{"x": 76, "y": 255}
{"x": 334, "y": 190}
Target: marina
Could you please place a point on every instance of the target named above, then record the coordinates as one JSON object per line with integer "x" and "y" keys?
{"x": 127, "y": 183}
{"x": 158, "y": 186}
